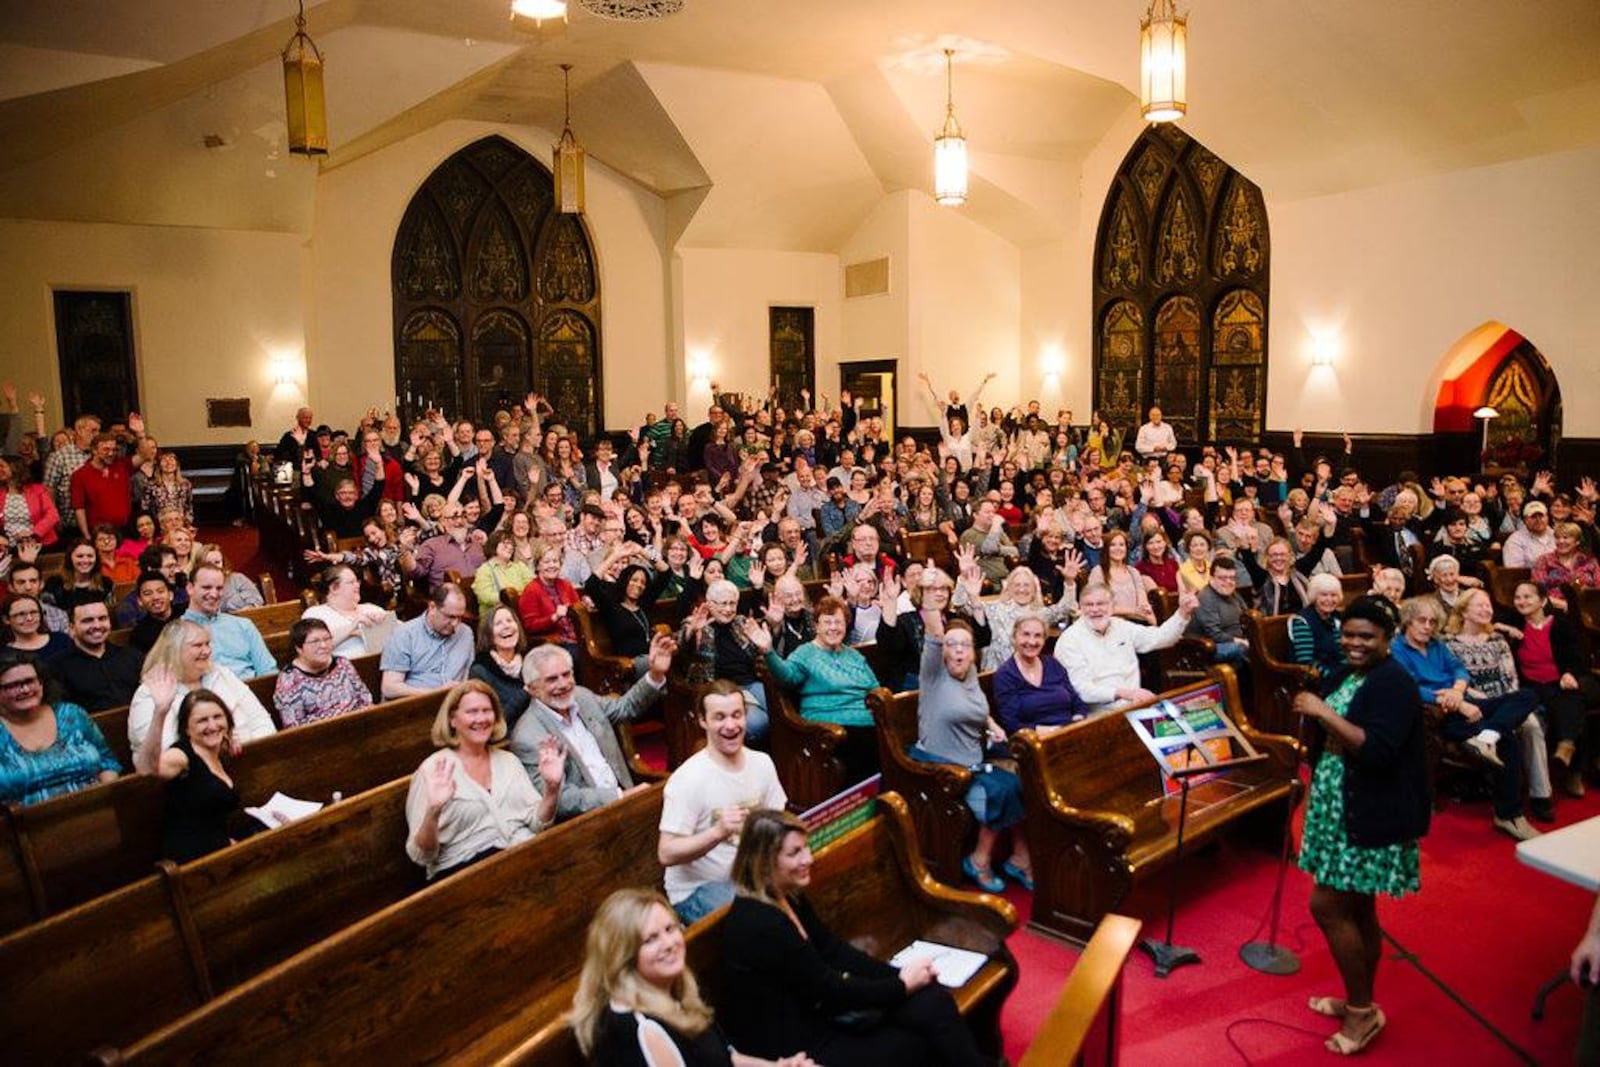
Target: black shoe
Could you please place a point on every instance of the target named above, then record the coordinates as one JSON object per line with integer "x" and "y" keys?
{"x": 1542, "y": 808}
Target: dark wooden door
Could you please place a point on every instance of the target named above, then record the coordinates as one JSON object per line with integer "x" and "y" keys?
{"x": 94, "y": 344}
{"x": 792, "y": 338}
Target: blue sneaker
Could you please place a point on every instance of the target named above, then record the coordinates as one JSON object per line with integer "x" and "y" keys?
{"x": 985, "y": 878}
{"x": 1018, "y": 875}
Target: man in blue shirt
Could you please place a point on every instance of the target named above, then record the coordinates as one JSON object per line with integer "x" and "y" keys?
{"x": 430, "y": 651}
{"x": 235, "y": 643}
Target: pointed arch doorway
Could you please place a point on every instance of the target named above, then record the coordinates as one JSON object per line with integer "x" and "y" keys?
{"x": 495, "y": 293}
{"x": 1496, "y": 368}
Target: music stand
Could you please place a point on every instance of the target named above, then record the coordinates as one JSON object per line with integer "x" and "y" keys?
{"x": 1183, "y": 757}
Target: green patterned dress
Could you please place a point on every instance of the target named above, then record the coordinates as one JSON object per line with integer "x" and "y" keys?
{"x": 1325, "y": 849}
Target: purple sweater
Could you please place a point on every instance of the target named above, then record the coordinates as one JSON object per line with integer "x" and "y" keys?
{"x": 1018, "y": 704}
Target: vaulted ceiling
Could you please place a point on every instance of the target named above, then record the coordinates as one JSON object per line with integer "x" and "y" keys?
{"x": 781, "y": 123}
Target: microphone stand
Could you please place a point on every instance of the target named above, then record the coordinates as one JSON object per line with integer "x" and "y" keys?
{"x": 1268, "y": 956}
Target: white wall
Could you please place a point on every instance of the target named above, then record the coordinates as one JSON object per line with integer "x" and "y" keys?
{"x": 723, "y": 299}
{"x": 878, "y": 327}
{"x": 1395, "y": 275}
{"x": 966, "y": 310}
{"x": 359, "y": 207}
{"x": 214, "y": 312}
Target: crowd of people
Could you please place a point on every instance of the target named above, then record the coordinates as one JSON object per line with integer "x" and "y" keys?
{"x": 774, "y": 543}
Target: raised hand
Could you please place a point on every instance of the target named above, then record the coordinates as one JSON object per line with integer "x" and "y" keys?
{"x": 774, "y": 612}
{"x": 1299, "y": 436}
{"x": 163, "y": 687}
{"x": 836, "y": 586}
{"x": 697, "y": 565}
{"x": 552, "y": 763}
{"x": 136, "y": 422}
{"x": 662, "y": 648}
{"x": 1187, "y": 603}
{"x": 889, "y": 590}
{"x": 36, "y": 401}
{"x": 442, "y": 781}
{"x": 758, "y": 635}
{"x": 1072, "y": 563}
{"x": 757, "y": 574}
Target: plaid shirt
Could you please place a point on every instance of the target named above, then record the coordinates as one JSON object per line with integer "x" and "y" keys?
{"x": 759, "y": 498}
{"x": 58, "y": 471}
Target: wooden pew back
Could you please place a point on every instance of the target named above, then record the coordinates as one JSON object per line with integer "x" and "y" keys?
{"x": 1275, "y": 677}
{"x": 88, "y": 843}
{"x": 106, "y": 971}
{"x": 501, "y": 945}
{"x": 935, "y": 793}
{"x": 1097, "y": 816}
{"x": 206, "y": 926}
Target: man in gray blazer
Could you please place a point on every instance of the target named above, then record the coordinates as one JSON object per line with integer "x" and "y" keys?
{"x": 596, "y": 772}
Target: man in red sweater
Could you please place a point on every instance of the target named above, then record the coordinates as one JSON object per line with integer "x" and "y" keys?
{"x": 102, "y": 489}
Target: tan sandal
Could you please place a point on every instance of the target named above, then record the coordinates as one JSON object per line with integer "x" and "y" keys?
{"x": 1342, "y": 1044}
{"x": 1329, "y": 1006}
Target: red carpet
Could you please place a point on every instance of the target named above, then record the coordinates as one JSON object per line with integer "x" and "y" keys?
{"x": 1487, "y": 927}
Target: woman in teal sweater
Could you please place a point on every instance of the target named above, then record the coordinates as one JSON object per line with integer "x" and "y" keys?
{"x": 832, "y": 681}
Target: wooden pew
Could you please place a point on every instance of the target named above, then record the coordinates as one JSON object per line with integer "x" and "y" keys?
{"x": 148, "y": 953}
{"x": 1502, "y": 583}
{"x": 1083, "y": 1027}
{"x": 802, "y": 750}
{"x": 935, "y": 793}
{"x": 1098, "y": 821}
{"x": 91, "y": 842}
{"x": 1354, "y": 586}
{"x": 1274, "y": 675}
{"x": 598, "y": 667}
{"x": 502, "y": 944}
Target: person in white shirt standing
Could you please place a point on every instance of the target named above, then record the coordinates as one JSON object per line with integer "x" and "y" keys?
{"x": 1156, "y": 438}
{"x": 1101, "y": 651}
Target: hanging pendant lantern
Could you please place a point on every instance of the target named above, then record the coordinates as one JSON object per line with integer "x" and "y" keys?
{"x": 306, "y": 110}
{"x": 950, "y": 150}
{"x": 1164, "y": 62}
{"x": 568, "y": 155}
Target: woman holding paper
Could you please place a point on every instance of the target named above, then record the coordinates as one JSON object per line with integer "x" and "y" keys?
{"x": 1367, "y": 808}
{"x": 202, "y": 812}
{"x": 789, "y": 983}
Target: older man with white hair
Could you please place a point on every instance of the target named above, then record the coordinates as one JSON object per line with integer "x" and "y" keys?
{"x": 584, "y": 723}
{"x": 1101, "y": 651}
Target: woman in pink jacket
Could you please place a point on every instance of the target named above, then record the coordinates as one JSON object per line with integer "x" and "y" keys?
{"x": 26, "y": 510}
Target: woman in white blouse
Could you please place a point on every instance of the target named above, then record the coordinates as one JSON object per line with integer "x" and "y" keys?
{"x": 347, "y": 617}
{"x": 184, "y": 650}
{"x": 473, "y": 798}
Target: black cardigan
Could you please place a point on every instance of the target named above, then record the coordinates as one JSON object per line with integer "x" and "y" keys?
{"x": 1386, "y": 794}
{"x": 780, "y": 991}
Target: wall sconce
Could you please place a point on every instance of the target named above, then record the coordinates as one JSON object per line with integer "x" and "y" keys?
{"x": 699, "y": 371}
{"x": 283, "y": 371}
{"x": 1050, "y": 363}
{"x": 1323, "y": 349}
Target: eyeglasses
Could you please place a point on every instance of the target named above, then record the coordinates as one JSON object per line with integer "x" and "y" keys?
{"x": 21, "y": 685}
{"x": 26, "y": 614}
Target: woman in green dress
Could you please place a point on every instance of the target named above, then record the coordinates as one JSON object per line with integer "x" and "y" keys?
{"x": 1368, "y": 807}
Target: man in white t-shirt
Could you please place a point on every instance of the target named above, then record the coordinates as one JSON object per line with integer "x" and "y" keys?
{"x": 705, "y": 803}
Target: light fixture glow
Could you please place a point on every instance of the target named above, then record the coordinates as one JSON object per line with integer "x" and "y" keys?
{"x": 539, "y": 10}
{"x": 305, "y": 111}
{"x": 950, "y": 149}
{"x": 1322, "y": 350}
{"x": 1486, "y": 412}
{"x": 1163, "y": 62}
{"x": 568, "y": 155}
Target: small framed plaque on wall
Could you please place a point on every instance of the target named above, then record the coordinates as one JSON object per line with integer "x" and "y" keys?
{"x": 230, "y": 412}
